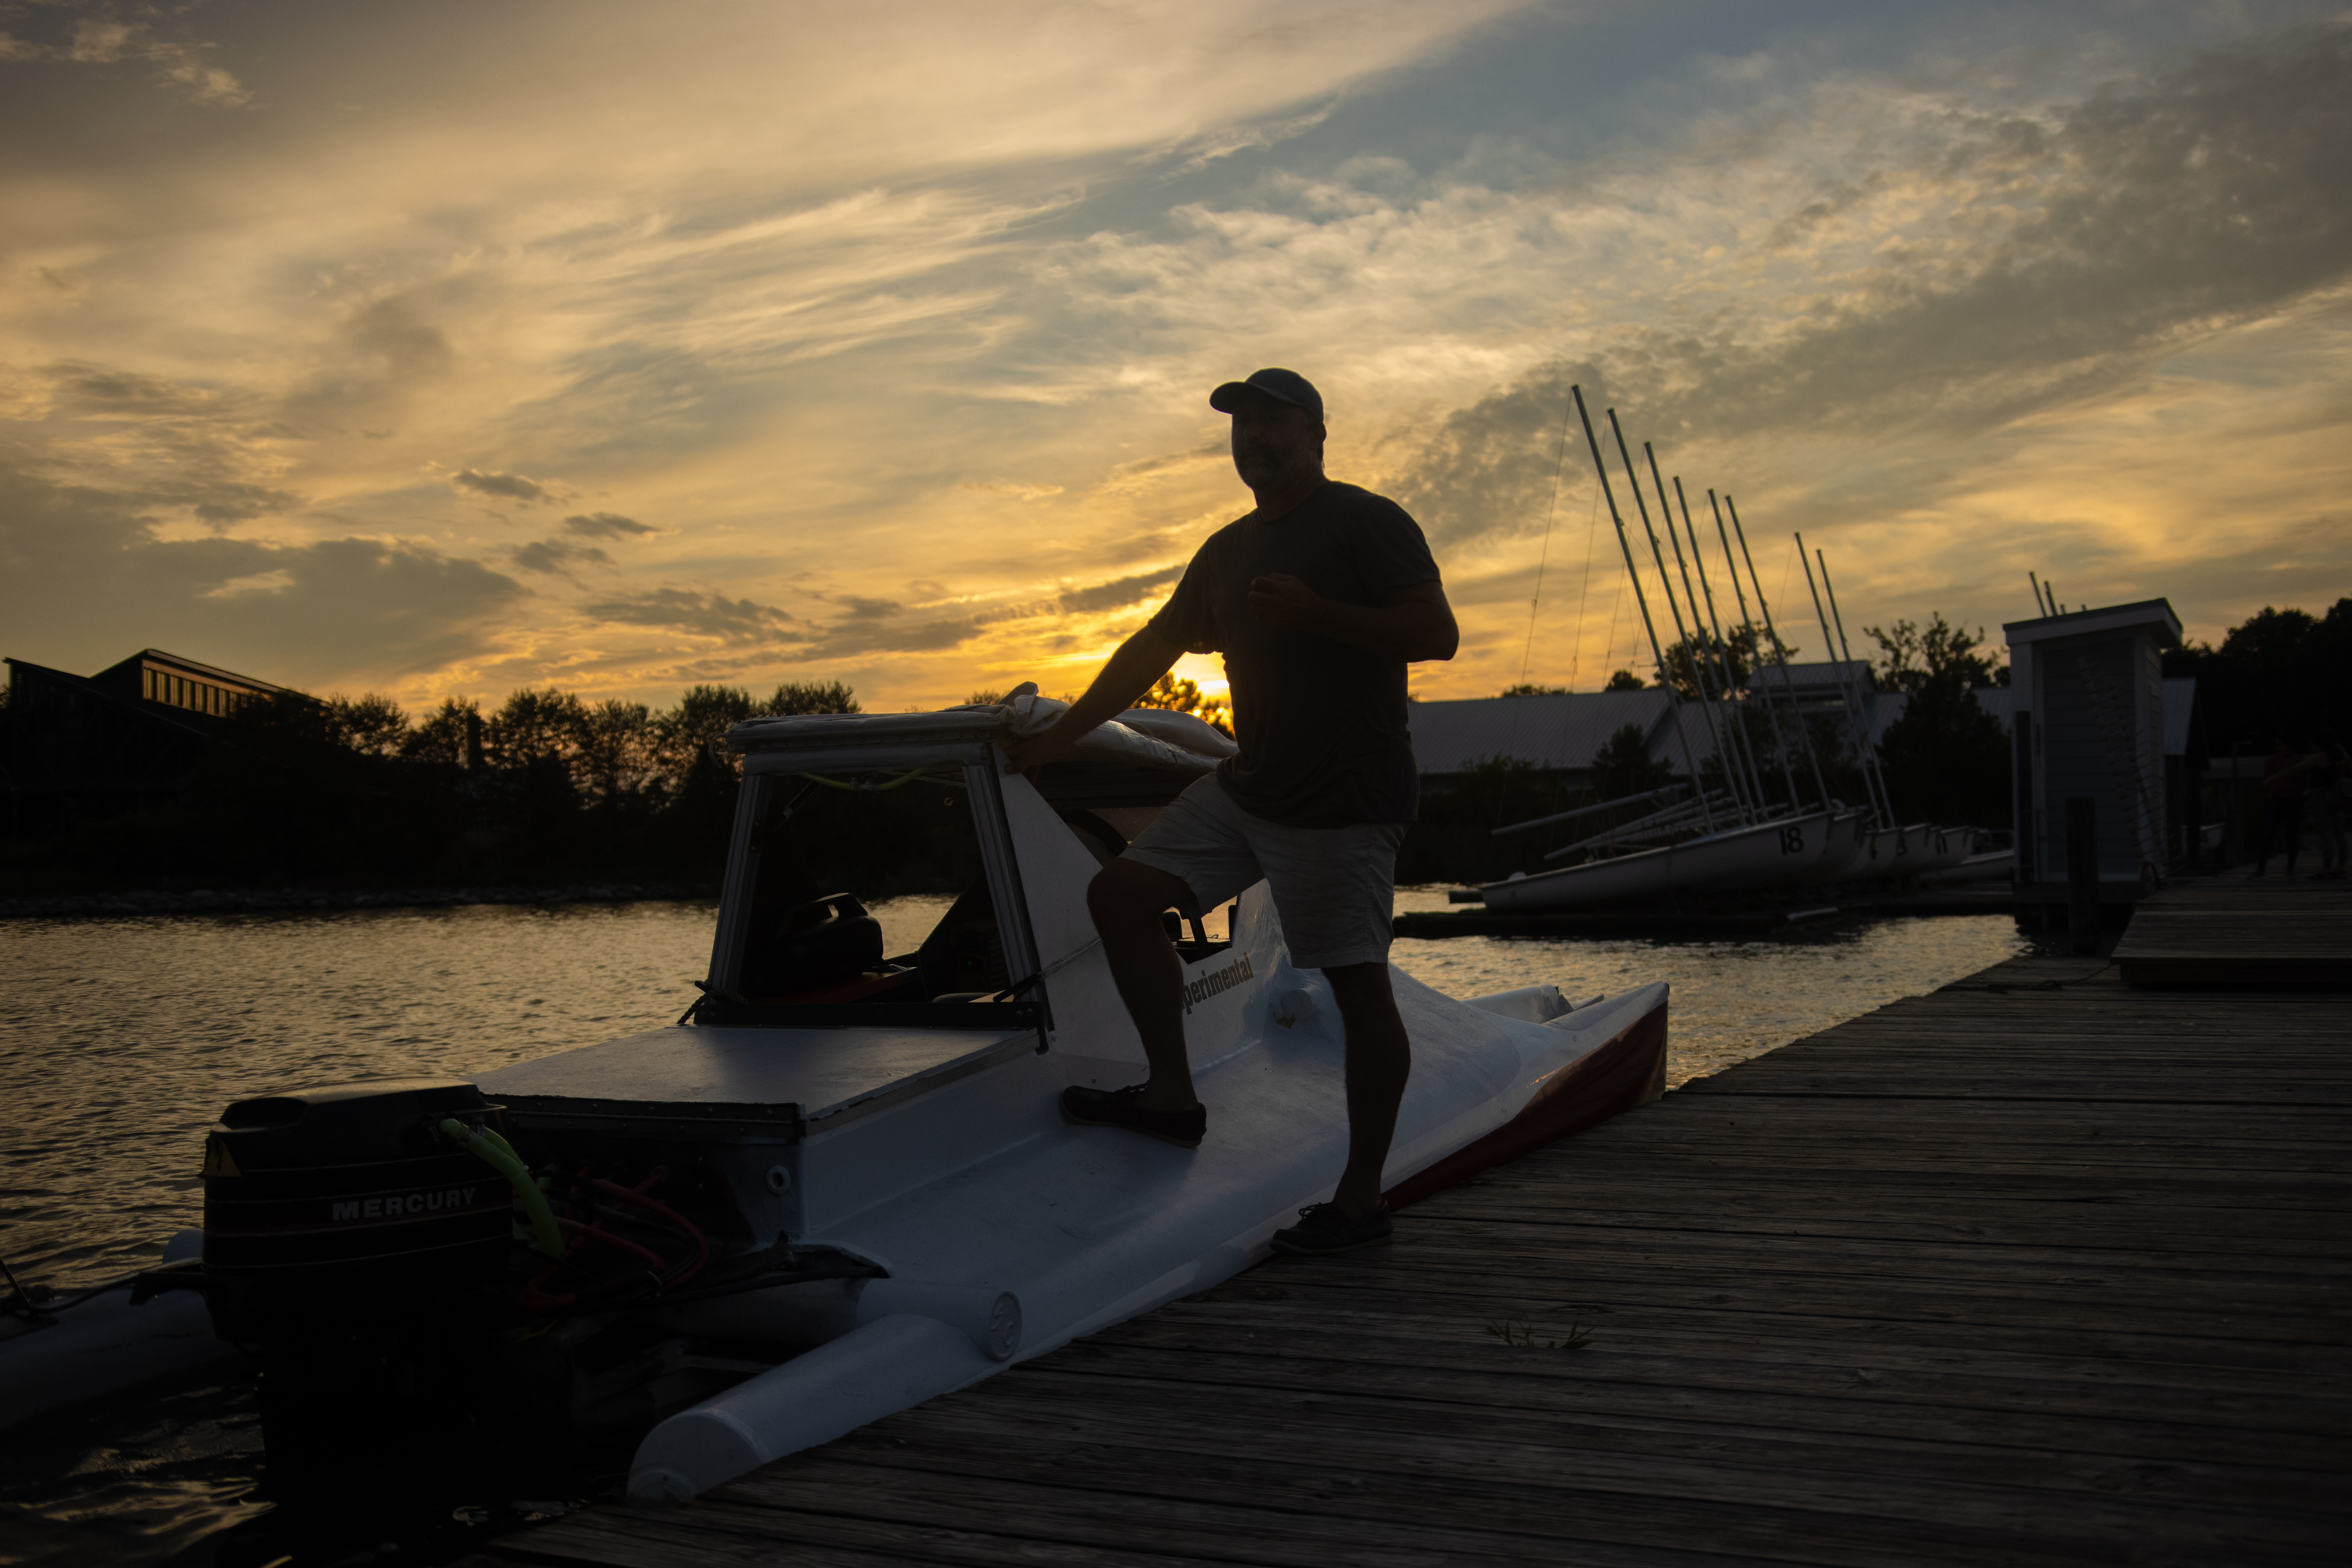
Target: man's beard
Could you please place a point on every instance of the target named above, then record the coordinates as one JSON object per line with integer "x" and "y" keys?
{"x": 1262, "y": 470}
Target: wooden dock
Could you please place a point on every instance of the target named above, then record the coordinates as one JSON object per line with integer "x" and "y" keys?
{"x": 2234, "y": 930}
{"x": 1701, "y": 923}
{"x": 2037, "y": 1269}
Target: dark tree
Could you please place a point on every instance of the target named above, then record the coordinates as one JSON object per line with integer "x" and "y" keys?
{"x": 1946, "y": 759}
{"x": 1185, "y": 696}
{"x": 1623, "y": 766}
{"x": 2278, "y": 672}
{"x": 812, "y": 697}
{"x": 1743, "y": 650}
{"x": 1912, "y": 655}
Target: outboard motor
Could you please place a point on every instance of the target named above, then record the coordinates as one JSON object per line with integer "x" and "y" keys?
{"x": 355, "y": 1237}
{"x": 347, "y": 1204}
{"x": 441, "y": 1321}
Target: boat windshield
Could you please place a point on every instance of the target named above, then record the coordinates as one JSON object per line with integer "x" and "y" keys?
{"x": 864, "y": 899}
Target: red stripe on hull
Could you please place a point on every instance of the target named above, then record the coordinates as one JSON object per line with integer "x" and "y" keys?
{"x": 1629, "y": 1070}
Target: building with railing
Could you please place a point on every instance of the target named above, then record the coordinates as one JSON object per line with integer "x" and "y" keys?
{"x": 83, "y": 746}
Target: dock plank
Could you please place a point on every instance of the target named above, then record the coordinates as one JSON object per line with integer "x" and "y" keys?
{"x": 2237, "y": 932}
{"x": 2040, "y": 1269}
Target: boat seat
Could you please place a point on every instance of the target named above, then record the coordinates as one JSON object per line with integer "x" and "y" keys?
{"x": 813, "y": 946}
{"x": 963, "y": 954}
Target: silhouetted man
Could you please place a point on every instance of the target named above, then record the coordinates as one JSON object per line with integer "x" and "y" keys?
{"x": 2286, "y": 779}
{"x": 1318, "y": 599}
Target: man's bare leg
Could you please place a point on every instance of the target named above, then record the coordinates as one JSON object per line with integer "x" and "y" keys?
{"x": 1380, "y": 1059}
{"x": 1126, "y": 899}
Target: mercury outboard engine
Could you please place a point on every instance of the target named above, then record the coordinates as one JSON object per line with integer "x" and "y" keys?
{"x": 326, "y": 1203}
{"x": 359, "y": 1242}
{"x": 443, "y": 1317}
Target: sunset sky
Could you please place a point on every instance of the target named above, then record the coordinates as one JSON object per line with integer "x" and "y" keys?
{"x": 434, "y": 348}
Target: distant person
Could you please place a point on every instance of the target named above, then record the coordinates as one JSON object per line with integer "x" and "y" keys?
{"x": 2286, "y": 779}
{"x": 1318, "y": 598}
{"x": 2329, "y": 781}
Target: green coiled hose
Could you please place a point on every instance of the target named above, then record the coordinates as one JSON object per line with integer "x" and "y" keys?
{"x": 495, "y": 1152}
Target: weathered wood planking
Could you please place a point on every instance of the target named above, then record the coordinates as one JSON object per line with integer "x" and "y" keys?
{"x": 2239, "y": 931}
{"x": 2037, "y": 1269}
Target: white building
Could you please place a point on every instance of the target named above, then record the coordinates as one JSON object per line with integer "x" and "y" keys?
{"x": 2089, "y": 721}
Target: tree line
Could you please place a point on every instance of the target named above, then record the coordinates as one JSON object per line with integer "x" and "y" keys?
{"x": 544, "y": 787}
{"x": 549, "y": 787}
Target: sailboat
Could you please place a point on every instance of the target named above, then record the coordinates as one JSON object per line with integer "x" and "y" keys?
{"x": 1756, "y": 844}
{"x": 1781, "y": 849}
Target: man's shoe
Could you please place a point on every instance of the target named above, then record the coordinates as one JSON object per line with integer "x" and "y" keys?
{"x": 1118, "y": 1108}
{"x": 1322, "y": 1228}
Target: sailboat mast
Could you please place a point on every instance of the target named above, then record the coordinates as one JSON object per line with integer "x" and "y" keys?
{"x": 1732, "y": 711}
{"x": 1699, "y": 786}
{"x": 1755, "y": 652}
{"x": 1831, "y": 592}
{"x": 1779, "y": 655}
{"x": 1880, "y": 807}
{"x": 1870, "y": 752}
{"x": 1735, "y": 764}
{"x": 1667, "y": 585}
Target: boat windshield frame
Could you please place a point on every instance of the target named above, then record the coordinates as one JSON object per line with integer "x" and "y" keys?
{"x": 830, "y": 750}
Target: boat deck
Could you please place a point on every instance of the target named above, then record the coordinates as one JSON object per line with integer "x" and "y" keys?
{"x": 2036, "y": 1269}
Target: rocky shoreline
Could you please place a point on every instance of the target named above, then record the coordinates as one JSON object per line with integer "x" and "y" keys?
{"x": 209, "y": 901}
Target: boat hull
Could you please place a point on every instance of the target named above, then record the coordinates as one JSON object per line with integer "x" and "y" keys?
{"x": 1849, "y": 851}
{"x": 1788, "y": 848}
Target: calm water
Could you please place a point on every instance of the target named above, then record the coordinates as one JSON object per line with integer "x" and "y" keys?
{"x": 122, "y": 1039}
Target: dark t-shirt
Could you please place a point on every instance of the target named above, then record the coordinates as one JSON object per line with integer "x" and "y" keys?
{"x": 1321, "y": 727}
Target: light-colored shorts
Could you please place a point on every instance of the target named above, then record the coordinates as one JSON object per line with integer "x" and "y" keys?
{"x": 1334, "y": 887}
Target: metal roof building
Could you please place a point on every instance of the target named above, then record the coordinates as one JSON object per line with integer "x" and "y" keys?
{"x": 1560, "y": 731}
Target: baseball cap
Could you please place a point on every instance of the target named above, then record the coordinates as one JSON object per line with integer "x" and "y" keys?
{"x": 1285, "y": 385}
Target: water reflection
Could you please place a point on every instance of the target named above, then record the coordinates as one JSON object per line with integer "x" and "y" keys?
{"x": 1732, "y": 1000}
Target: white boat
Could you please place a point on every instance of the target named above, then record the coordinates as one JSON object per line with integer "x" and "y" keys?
{"x": 1779, "y": 850}
{"x": 1947, "y": 848}
{"x": 1845, "y": 849}
{"x": 1988, "y": 866}
{"x": 1902, "y": 852}
{"x": 844, "y": 1186}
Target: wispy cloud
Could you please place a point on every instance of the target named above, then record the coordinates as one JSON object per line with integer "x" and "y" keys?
{"x": 907, "y": 357}
{"x": 345, "y": 607}
{"x": 606, "y": 525}
{"x": 556, "y": 555}
{"x": 1119, "y": 593}
{"x": 700, "y": 614}
{"x": 2012, "y": 265}
{"x": 508, "y": 486}
{"x": 103, "y": 39}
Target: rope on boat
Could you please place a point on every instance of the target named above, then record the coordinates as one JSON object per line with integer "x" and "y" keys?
{"x": 906, "y": 778}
